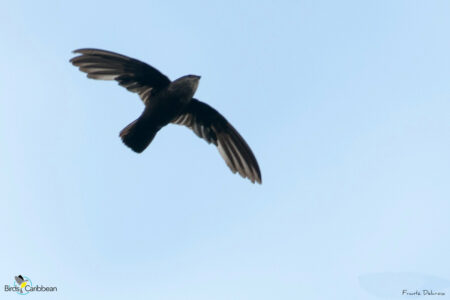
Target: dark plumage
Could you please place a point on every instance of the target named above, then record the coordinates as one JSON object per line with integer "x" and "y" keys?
{"x": 168, "y": 102}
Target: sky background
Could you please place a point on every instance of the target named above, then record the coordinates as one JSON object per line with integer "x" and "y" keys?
{"x": 346, "y": 105}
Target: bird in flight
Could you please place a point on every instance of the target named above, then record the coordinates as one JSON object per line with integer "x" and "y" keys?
{"x": 168, "y": 102}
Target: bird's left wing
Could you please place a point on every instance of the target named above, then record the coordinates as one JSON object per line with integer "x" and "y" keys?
{"x": 19, "y": 279}
{"x": 134, "y": 75}
{"x": 210, "y": 125}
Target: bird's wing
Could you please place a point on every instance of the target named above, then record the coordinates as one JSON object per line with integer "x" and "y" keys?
{"x": 210, "y": 125}
{"x": 19, "y": 279}
{"x": 134, "y": 75}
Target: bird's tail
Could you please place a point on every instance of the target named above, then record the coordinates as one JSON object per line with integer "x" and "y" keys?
{"x": 139, "y": 134}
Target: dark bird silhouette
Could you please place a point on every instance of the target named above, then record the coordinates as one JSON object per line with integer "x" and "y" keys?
{"x": 168, "y": 102}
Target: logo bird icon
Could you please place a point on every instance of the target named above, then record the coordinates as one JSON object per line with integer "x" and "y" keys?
{"x": 21, "y": 282}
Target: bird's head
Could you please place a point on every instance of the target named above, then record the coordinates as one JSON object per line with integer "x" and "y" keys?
{"x": 186, "y": 85}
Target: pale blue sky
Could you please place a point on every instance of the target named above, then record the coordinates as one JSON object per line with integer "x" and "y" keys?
{"x": 346, "y": 105}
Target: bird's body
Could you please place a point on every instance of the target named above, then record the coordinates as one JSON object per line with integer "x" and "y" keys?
{"x": 168, "y": 102}
{"x": 165, "y": 105}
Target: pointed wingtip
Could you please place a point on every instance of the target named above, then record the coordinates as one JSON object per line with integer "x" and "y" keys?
{"x": 257, "y": 180}
{"x": 87, "y": 50}
{"x": 78, "y": 51}
{"x": 254, "y": 179}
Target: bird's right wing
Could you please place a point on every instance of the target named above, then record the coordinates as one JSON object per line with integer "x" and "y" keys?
{"x": 210, "y": 125}
{"x": 134, "y": 75}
